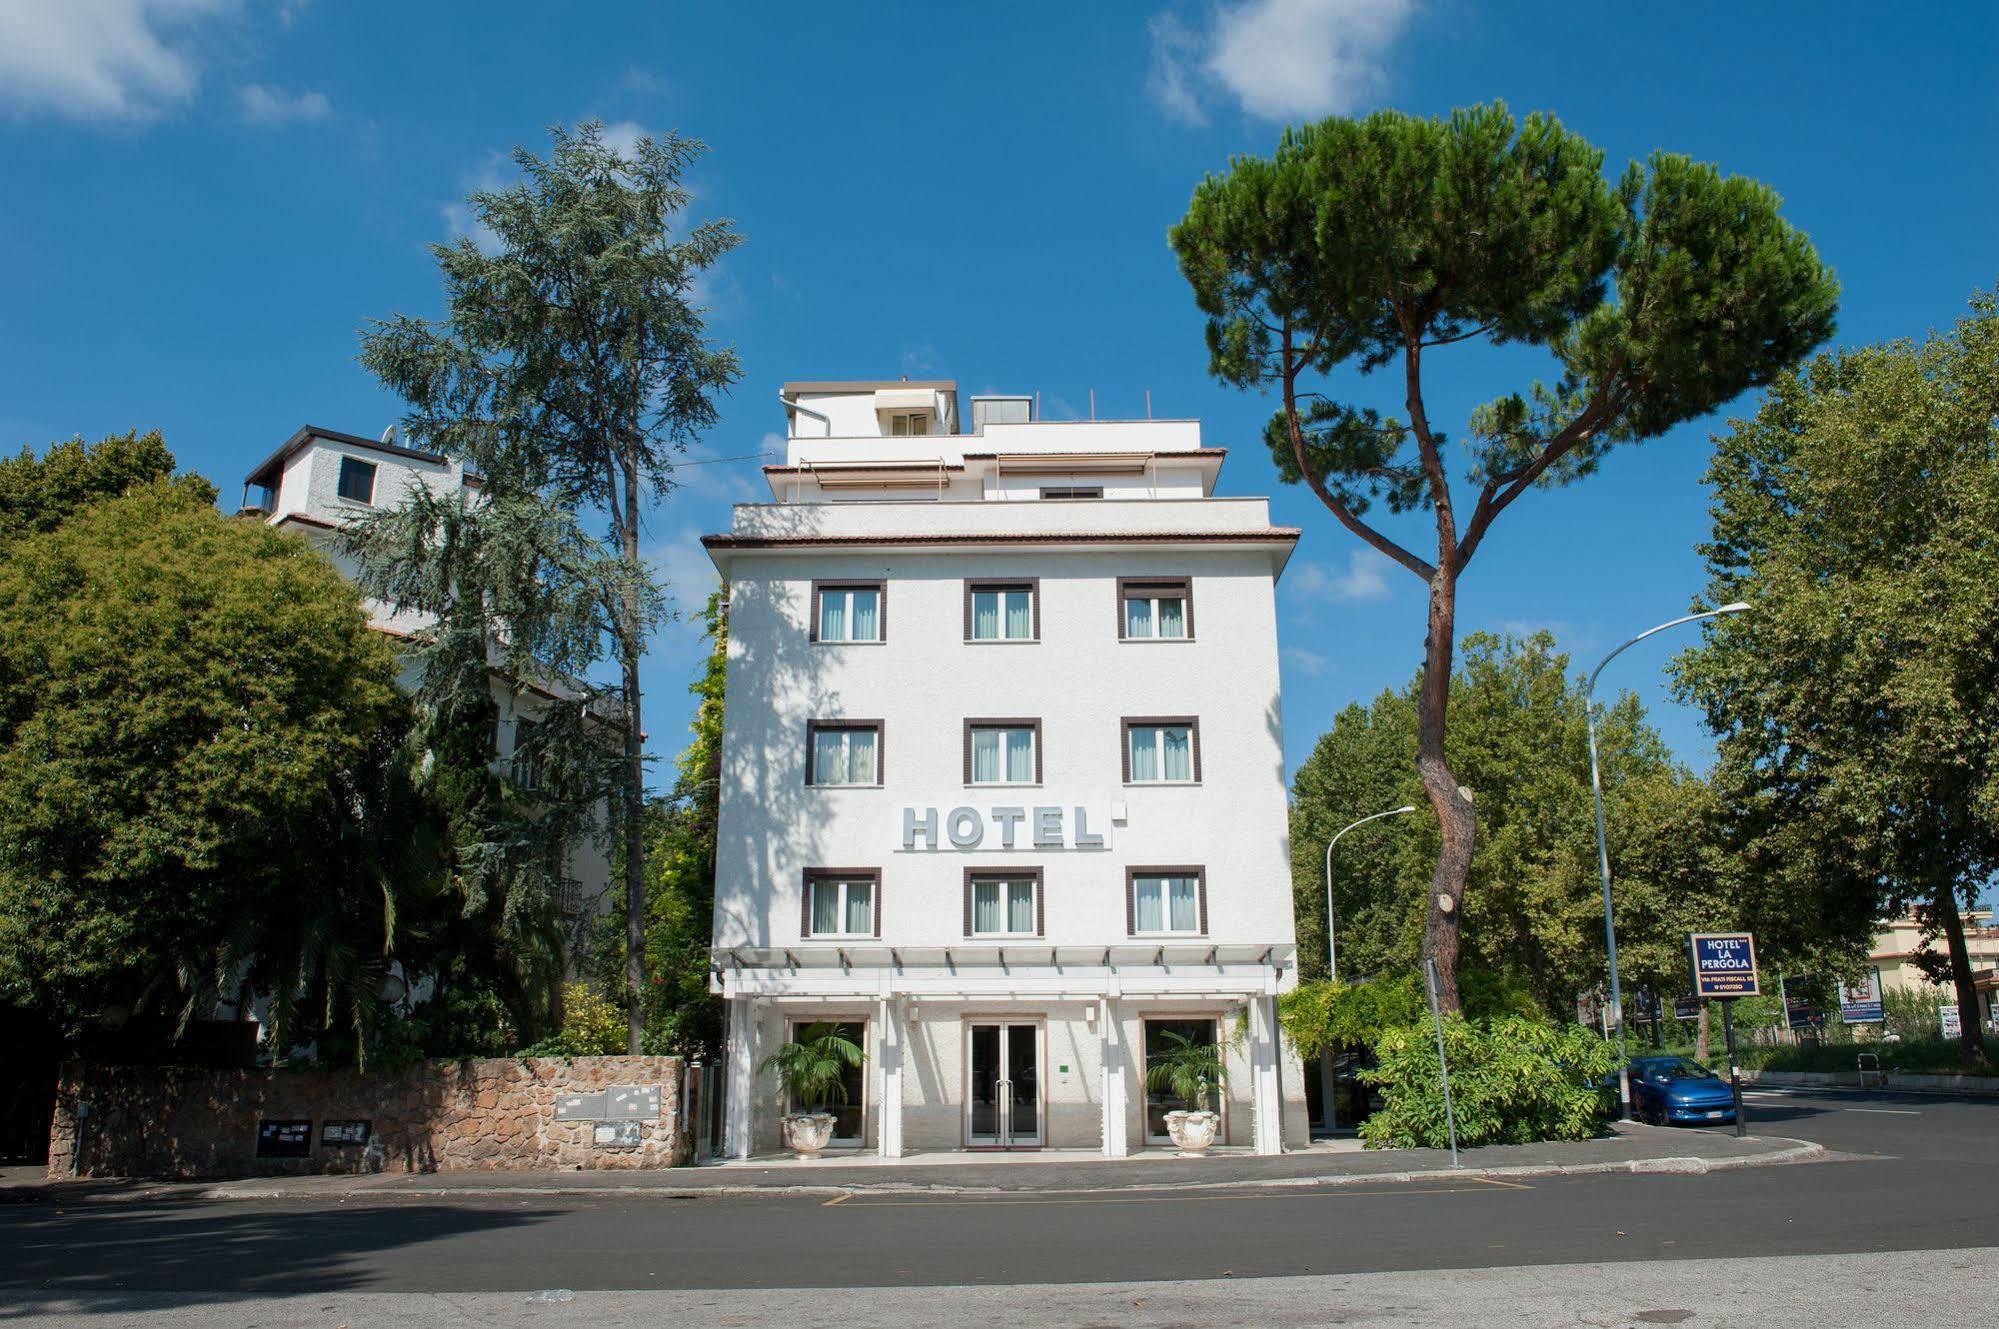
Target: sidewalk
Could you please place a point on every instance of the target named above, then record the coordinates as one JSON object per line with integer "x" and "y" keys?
{"x": 1631, "y": 1148}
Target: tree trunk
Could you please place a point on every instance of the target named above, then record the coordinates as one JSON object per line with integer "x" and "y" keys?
{"x": 1700, "y": 1036}
{"x": 1971, "y": 1035}
{"x": 1452, "y": 804}
{"x": 631, "y": 647}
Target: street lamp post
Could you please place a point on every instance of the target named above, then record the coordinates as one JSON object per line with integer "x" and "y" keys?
{"x": 1603, "y": 846}
{"x": 1333, "y": 949}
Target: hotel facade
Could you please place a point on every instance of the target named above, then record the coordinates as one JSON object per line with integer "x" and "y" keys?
{"x": 1002, "y": 777}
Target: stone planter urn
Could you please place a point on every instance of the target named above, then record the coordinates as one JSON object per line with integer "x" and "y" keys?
{"x": 808, "y": 1133}
{"x": 1192, "y": 1132}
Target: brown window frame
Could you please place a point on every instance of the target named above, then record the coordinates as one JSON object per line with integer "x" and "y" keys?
{"x": 878, "y": 585}
{"x": 1131, "y": 722}
{"x": 1032, "y": 585}
{"x": 812, "y": 875}
{"x": 1003, "y": 722}
{"x": 1131, "y": 876}
{"x": 815, "y": 727}
{"x": 1127, "y": 585}
{"x": 1008, "y": 874}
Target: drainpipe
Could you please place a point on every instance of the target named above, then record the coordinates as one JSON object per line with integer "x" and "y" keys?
{"x": 803, "y": 409}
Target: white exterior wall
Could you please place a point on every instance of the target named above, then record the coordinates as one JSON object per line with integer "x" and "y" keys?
{"x": 1084, "y": 982}
{"x": 925, "y": 680}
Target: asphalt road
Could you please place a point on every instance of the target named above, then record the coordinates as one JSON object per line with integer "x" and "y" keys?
{"x": 1920, "y": 1174}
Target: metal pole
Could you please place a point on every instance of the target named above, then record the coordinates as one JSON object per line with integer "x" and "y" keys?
{"x": 1734, "y": 1076}
{"x": 1603, "y": 845}
{"x": 1443, "y": 1064}
{"x": 1332, "y": 939}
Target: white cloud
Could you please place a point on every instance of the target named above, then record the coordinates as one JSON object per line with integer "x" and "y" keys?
{"x": 1170, "y": 80}
{"x": 101, "y": 59}
{"x": 270, "y": 107}
{"x": 624, "y": 137}
{"x": 1365, "y": 578}
{"x": 1310, "y": 663}
{"x": 1279, "y": 59}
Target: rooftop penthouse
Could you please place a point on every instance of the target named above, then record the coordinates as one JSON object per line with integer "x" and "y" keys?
{"x": 899, "y": 439}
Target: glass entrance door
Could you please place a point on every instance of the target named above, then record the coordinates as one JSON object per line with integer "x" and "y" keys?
{"x": 1003, "y": 1090}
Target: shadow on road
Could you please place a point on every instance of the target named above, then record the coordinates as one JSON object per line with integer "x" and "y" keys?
{"x": 224, "y": 1251}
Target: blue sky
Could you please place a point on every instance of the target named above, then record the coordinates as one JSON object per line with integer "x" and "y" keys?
{"x": 207, "y": 198}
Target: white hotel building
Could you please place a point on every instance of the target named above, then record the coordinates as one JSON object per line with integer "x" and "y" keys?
{"x": 1002, "y": 775}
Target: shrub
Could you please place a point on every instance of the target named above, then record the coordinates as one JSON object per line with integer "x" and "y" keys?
{"x": 1911, "y": 1012}
{"x": 1514, "y": 1080}
{"x": 591, "y": 1027}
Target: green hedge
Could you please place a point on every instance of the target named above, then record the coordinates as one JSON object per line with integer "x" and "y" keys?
{"x": 1514, "y": 1080}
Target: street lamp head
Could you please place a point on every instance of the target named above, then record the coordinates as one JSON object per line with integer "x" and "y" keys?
{"x": 1406, "y": 807}
{"x": 1739, "y": 607}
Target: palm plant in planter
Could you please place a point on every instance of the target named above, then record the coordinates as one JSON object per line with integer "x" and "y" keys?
{"x": 1189, "y": 1071}
{"x": 811, "y": 1073}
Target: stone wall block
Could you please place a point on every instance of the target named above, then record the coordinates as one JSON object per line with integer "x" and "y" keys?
{"x": 495, "y": 1113}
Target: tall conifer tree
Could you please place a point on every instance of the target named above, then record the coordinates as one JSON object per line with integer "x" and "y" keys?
{"x": 572, "y": 365}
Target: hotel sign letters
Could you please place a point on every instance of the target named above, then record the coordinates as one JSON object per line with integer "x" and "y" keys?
{"x": 1724, "y": 964}
{"x": 972, "y": 830}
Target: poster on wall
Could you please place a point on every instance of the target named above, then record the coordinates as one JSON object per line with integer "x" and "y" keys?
{"x": 1952, "y": 1023}
{"x": 284, "y": 1138}
{"x": 1860, "y": 1003}
{"x": 350, "y": 1133}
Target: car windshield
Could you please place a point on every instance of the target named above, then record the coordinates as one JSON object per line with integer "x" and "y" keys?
{"x": 1679, "y": 1068}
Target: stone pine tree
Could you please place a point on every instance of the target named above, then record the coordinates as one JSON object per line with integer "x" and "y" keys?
{"x": 1856, "y": 709}
{"x": 1379, "y": 243}
{"x": 572, "y": 365}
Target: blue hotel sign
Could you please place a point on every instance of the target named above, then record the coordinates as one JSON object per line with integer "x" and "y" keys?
{"x": 1724, "y": 964}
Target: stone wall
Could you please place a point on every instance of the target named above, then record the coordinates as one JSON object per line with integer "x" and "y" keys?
{"x": 169, "y": 1121}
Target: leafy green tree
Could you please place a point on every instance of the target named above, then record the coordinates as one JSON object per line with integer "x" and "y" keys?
{"x": 199, "y": 774}
{"x": 1534, "y": 913}
{"x": 40, "y": 493}
{"x": 574, "y": 362}
{"x": 1858, "y": 724}
{"x": 1377, "y": 241}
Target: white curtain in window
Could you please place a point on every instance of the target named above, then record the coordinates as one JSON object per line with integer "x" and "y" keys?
{"x": 832, "y": 616}
{"x": 867, "y": 615}
{"x": 986, "y": 767}
{"x": 1173, "y": 618}
{"x": 1020, "y": 756}
{"x": 1185, "y": 911}
{"x": 1151, "y": 904}
{"x": 860, "y": 911}
{"x": 1021, "y": 911}
{"x": 825, "y": 906}
{"x": 985, "y": 615}
{"x": 1179, "y": 752}
{"x": 1019, "y": 615}
{"x": 1144, "y": 753}
{"x": 860, "y": 756}
{"x": 1138, "y": 618}
{"x": 985, "y": 906}
{"x": 829, "y": 761}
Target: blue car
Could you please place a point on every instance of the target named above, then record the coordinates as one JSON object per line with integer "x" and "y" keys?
{"x": 1679, "y": 1091}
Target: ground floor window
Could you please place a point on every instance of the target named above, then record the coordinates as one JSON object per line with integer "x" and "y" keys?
{"x": 850, "y": 1116}
{"x": 1160, "y": 1037}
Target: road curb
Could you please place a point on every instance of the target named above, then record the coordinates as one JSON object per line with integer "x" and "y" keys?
{"x": 1799, "y": 1151}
